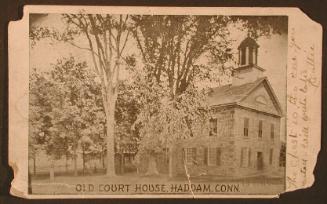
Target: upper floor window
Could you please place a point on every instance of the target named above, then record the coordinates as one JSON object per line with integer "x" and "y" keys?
{"x": 272, "y": 131}
{"x": 246, "y": 127}
{"x": 213, "y": 127}
{"x": 260, "y": 129}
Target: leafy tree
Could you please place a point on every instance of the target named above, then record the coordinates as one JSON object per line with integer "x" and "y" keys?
{"x": 66, "y": 108}
{"x": 173, "y": 48}
{"x": 77, "y": 109}
{"x": 106, "y": 37}
{"x": 162, "y": 121}
{"x": 177, "y": 52}
{"x": 258, "y": 26}
{"x": 39, "y": 120}
{"x": 128, "y": 107}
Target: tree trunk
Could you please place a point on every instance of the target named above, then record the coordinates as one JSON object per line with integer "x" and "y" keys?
{"x": 110, "y": 138}
{"x": 34, "y": 165}
{"x": 83, "y": 158}
{"x": 66, "y": 162}
{"x": 52, "y": 170}
{"x": 75, "y": 163}
{"x": 102, "y": 158}
{"x": 122, "y": 163}
{"x": 170, "y": 167}
{"x": 29, "y": 183}
{"x": 152, "y": 166}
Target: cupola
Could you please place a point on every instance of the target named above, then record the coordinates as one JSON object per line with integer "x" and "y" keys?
{"x": 247, "y": 70}
{"x": 248, "y": 52}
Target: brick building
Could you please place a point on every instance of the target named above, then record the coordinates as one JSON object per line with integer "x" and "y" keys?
{"x": 244, "y": 137}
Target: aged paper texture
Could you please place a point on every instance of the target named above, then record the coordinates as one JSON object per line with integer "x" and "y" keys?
{"x": 148, "y": 102}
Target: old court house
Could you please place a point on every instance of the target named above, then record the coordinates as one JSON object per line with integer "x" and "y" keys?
{"x": 244, "y": 136}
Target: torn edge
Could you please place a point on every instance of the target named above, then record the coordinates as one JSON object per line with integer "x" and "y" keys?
{"x": 304, "y": 136}
{"x": 17, "y": 39}
{"x": 12, "y": 155}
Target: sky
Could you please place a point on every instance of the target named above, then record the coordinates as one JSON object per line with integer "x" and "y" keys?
{"x": 272, "y": 53}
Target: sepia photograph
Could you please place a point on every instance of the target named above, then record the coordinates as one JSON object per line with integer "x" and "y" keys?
{"x": 124, "y": 104}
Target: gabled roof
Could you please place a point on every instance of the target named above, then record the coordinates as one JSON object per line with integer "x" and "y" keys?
{"x": 229, "y": 94}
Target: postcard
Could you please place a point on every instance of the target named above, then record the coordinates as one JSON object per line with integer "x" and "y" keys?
{"x": 155, "y": 102}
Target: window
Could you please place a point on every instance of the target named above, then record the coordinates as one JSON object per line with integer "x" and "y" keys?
{"x": 205, "y": 159}
{"x": 246, "y": 127}
{"x": 272, "y": 131}
{"x": 218, "y": 158}
{"x": 213, "y": 127}
{"x": 245, "y": 157}
{"x": 190, "y": 155}
{"x": 166, "y": 155}
{"x": 214, "y": 156}
{"x": 260, "y": 129}
{"x": 249, "y": 157}
{"x": 271, "y": 156}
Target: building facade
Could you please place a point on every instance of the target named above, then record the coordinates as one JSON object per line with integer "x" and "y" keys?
{"x": 244, "y": 136}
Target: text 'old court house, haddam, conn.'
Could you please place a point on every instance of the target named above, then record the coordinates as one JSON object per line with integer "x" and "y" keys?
{"x": 244, "y": 137}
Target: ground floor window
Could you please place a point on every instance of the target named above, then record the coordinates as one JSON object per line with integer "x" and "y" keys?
{"x": 245, "y": 157}
{"x": 214, "y": 156}
{"x": 271, "y": 156}
{"x": 190, "y": 155}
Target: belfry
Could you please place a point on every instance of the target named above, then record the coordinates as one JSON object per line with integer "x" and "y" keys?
{"x": 248, "y": 69}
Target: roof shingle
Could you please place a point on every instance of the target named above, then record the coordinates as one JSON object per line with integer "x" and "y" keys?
{"x": 231, "y": 94}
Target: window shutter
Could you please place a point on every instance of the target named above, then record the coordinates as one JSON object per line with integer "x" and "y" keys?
{"x": 183, "y": 156}
{"x": 218, "y": 156}
{"x": 260, "y": 129}
{"x": 242, "y": 157}
{"x": 194, "y": 155}
{"x": 206, "y": 156}
{"x": 213, "y": 127}
{"x": 249, "y": 157}
{"x": 272, "y": 131}
{"x": 246, "y": 127}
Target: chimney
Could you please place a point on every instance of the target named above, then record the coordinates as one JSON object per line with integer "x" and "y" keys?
{"x": 247, "y": 70}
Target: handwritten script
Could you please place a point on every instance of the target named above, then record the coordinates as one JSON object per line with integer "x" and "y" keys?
{"x": 303, "y": 79}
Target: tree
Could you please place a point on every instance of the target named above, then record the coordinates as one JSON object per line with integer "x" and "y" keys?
{"x": 39, "y": 120}
{"x": 128, "y": 107}
{"x": 177, "y": 52}
{"x": 258, "y": 26}
{"x": 65, "y": 108}
{"x": 77, "y": 109}
{"x": 162, "y": 122}
{"x": 106, "y": 37}
{"x": 172, "y": 48}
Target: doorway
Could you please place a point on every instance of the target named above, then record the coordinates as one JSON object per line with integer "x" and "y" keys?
{"x": 259, "y": 161}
